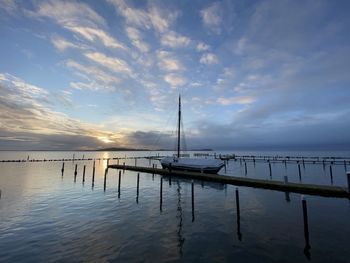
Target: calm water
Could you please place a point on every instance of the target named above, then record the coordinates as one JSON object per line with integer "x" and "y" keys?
{"x": 47, "y": 217}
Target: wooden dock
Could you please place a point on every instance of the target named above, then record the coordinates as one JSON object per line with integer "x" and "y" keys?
{"x": 310, "y": 189}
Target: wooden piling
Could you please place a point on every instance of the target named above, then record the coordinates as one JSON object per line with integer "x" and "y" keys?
{"x": 286, "y": 193}
{"x": 62, "y": 170}
{"x": 137, "y": 187}
{"x": 161, "y": 193}
{"x": 345, "y": 165}
{"x": 299, "y": 172}
{"x": 75, "y": 173}
{"x": 306, "y": 228}
{"x": 105, "y": 180}
{"x": 348, "y": 176}
{"x": 93, "y": 174}
{"x": 245, "y": 168}
{"x": 270, "y": 168}
{"x": 119, "y": 181}
{"x": 192, "y": 194}
{"x": 84, "y": 173}
{"x": 331, "y": 173}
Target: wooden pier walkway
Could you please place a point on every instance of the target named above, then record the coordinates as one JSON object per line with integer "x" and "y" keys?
{"x": 310, "y": 189}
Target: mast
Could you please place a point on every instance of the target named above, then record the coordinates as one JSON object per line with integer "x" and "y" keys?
{"x": 178, "y": 129}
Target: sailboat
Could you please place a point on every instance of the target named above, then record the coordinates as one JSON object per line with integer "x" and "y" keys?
{"x": 190, "y": 164}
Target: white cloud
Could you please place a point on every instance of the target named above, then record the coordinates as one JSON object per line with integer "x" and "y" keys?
{"x": 136, "y": 39}
{"x": 154, "y": 17}
{"x": 132, "y": 16}
{"x": 241, "y": 46}
{"x": 202, "y": 47}
{"x": 209, "y": 58}
{"x": 62, "y": 44}
{"x": 167, "y": 62}
{"x": 244, "y": 100}
{"x": 10, "y": 6}
{"x": 93, "y": 34}
{"x": 69, "y": 13}
{"x": 174, "y": 40}
{"x": 112, "y": 63}
{"x": 161, "y": 19}
{"x": 175, "y": 80}
{"x": 212, "y": 17}
{"x": 93, "y": 73}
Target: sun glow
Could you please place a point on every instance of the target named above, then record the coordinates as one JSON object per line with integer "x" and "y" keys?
{"x": 104, "y": 139}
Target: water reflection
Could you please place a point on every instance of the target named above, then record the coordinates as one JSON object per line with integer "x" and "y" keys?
{"x": 180, "y": 238}
{"x": 238, "y": 213}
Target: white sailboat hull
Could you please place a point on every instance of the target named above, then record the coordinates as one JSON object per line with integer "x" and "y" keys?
{"x": 212, "y": 166}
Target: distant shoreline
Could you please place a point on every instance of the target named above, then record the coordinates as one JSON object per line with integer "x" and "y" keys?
{"x": 111, "y": 150}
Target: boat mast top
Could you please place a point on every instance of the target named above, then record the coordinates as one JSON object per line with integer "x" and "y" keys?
{"x": 178, "y": 129}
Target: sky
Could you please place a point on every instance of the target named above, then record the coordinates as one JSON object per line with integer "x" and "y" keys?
{"x": 79, "y": 75}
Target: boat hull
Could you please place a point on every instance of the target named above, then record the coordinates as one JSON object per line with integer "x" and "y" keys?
{"x": 192, "y": 165}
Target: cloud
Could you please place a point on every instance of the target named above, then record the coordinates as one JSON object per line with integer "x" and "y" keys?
{"x": 10, "y": 6}
{"x": 167, "y": 62}
{"x": 78, "y": 18}
{"x": 69, "y": 13}
{"x": 93, "y": 34}
{"x": 112, "y": 63}
{"x": 174, "y": 40}
{"x": 236, "y": 100}
{"x": 27, "y": 117}
{"x": 93, "y": 73}
{"x": 201, "y": 46}
{"x": 62, "y": 44}
{"x": 209, "y": 58}
{"x": 212, "y": 17}
{"x": 154, "y": 17}
{"x": 136, "y": 39}
{"x": 175, "y": 80}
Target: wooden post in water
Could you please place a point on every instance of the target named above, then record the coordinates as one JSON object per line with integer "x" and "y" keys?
{"x": 161, "y": 193}
{"x": 192, "y": 191}
{"x": 345, "y": 165}
{"x": 348, "y": 176}
{"x": 331, "y": 173}
{"x": 84, "y": 174}
{"x": 239, "y": 234}
{"x": 137, "y": 188}
{"x": 119, "y": 181}
{"x": 93, "y": 174}
{"x": 299, "y": 172}
{"x": 123, "y": 167}
{"x": 270, "y": 168}
{"x": 286, "y": 193}
{"x": 75, "y": 173}
{"x": 306, "y": 229}
{"x": 62, "y": 170}
{"x": 245, "y": 168}
{"x": 105, "y": 180}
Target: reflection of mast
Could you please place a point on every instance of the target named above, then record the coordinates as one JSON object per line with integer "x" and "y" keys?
{"x": 181, "y": 240}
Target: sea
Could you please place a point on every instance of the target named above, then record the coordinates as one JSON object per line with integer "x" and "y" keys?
{"x": 50, "y": 216}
